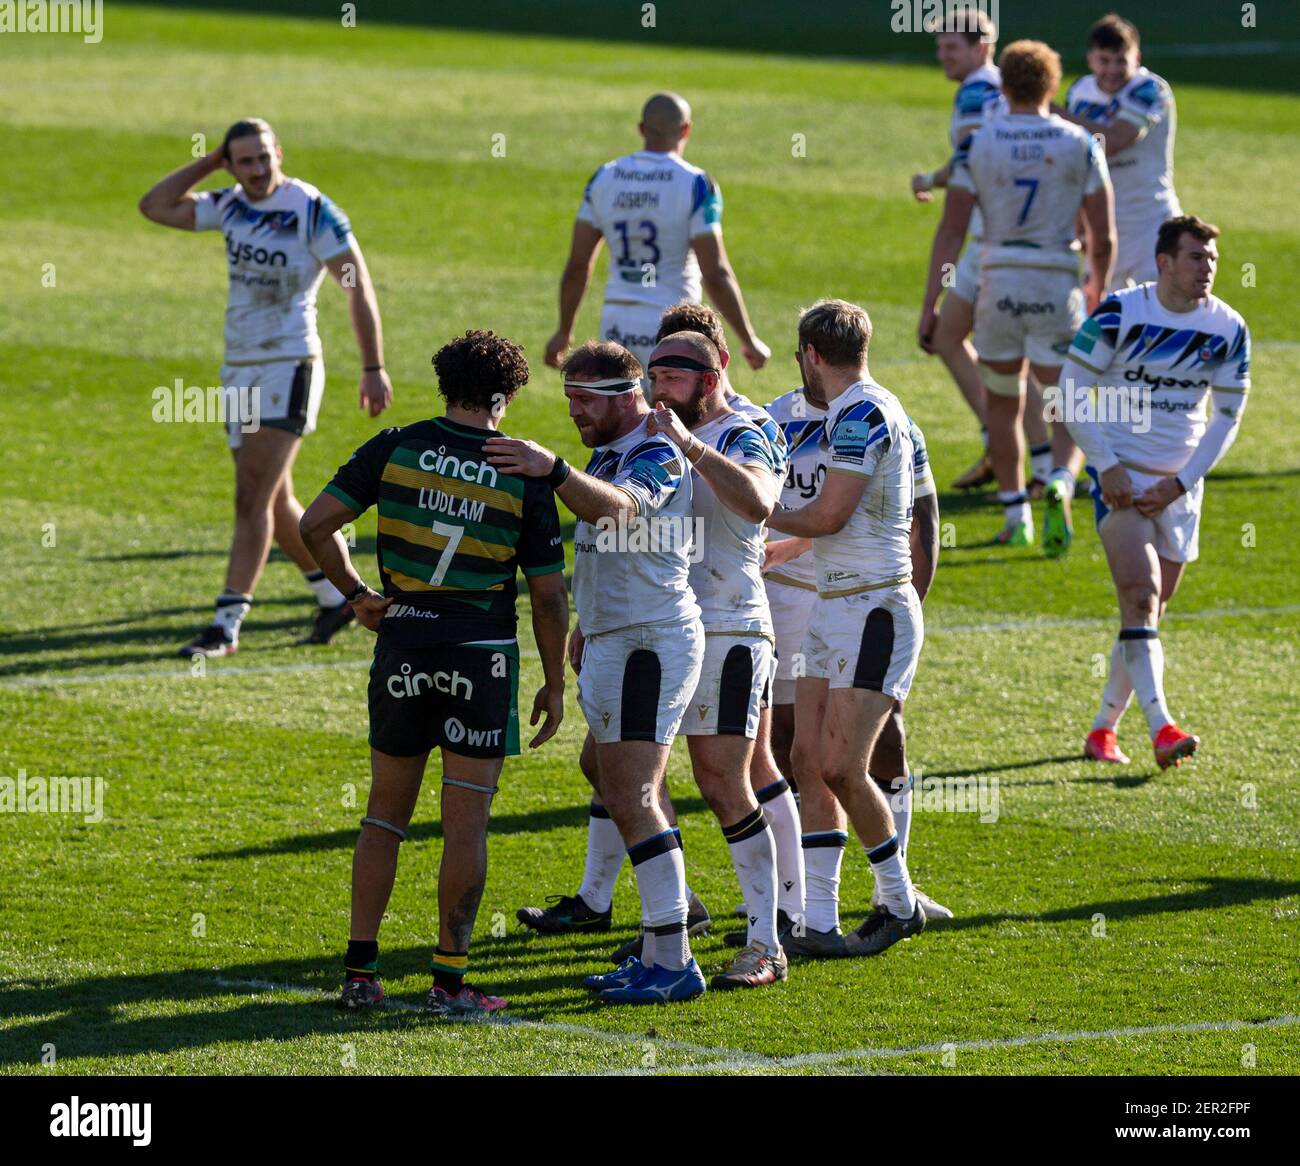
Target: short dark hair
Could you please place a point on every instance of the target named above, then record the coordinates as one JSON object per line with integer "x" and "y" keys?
{"x": 1112, "y": 33}
{"x": 1172, "y": 231}
{"x": 705, "y": 350}
{"x": 685, "y": 316}
{"x": 840, "y": 332}
{"x": 602, "y": 360}
{"x": 248, "y": 127}
{"x": 480, "y": 370}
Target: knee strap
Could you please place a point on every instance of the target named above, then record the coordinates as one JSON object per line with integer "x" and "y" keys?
{"x": 1002, "y": 384}
{"x": 490, "y": 790}
{"x": 401, "y": 834}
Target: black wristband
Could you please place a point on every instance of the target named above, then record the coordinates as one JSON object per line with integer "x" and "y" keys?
{"x": 372, "y": 368}
{"x": 559, "y": 473}
{"x": 357, "y": 594}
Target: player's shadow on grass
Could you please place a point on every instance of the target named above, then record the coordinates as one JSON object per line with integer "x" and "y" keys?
{"x": 532, "y": 822}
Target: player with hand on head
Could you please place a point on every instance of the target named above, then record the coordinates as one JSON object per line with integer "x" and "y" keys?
{"x": 662, "y": 219}
{"x": 1030, "y": 173}
{"x": 642, "y": 641}
{"x": 282, "y": 235}
{"x": 865, "y": 633}
{"x": 1156, "y": 355}
{"x": 452, "y": 531}
{"x": 1132, "y": 110}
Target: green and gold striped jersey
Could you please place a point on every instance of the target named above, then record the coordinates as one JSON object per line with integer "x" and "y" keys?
{"x": 453, "y": 529}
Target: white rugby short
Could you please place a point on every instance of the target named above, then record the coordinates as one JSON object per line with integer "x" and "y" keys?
{"x": 870, "y": 639}
{"x": 966, "y": 279}
{"x": 279, "y": 394}
{"x": 635, "y": 682}
{"x": 1027, "y": 311}
{"x": 634, "y": 326}
{"x": 791, "y": 609}
{"x": 1135, "y": 256}
{"x": 735, "y": 675}
{"x": 1178, "y": 525}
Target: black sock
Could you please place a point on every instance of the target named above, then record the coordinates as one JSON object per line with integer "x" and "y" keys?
{"x": 362, "y": 959}
{"x": 449, "y": 969}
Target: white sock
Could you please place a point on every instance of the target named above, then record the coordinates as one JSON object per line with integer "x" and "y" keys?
{"x": 605, "y": 851}
{"x": 1040, "y": 460}
{"x": 661, "y": 880}
{"x": 753, "y": 854}
{"x": 1016, "y": 506}
{"x": 783, "y": 820}
{"x": 892, "y": 879}
{"x": 822, "y": 855}
{"x": 1145, "y": 659}
{"x": 1062, "y": 474}
{"x": 232, "y": 607}
{"x": 898, "y": 793}
{"x": 327, "y": 595}
{"x": 1117, "y": 693}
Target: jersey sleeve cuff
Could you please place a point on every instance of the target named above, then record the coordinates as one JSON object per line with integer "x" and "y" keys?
{"x": 549, "y": 569}
{"x": 342, "y": 495}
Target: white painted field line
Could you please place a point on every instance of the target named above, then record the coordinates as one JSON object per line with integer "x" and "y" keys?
{"x": 1011, "y": 625}
{"x": 805, "y": 1060}
{"x": 738, "y": 1056}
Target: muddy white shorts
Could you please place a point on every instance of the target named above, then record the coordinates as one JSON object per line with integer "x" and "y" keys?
{"x": 1027, "y": 311}
{"x": 870, "y": 639}
{"x": 280, "y": 394}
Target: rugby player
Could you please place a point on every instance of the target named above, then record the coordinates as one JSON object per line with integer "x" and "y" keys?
{"x": 1156, "y": 354}
{"x": 1133, "y": 110}
{"x": 282, "y": 235}
{"x": 734, "y": 488}
{"x": 791, "y": 581}
{"x": 642, "y": 643}
{"x": 662, "y": 219}
{"x": 1029, "y": 172}
{"x": 452, "y": 532}
{"x": 865, "y": 632}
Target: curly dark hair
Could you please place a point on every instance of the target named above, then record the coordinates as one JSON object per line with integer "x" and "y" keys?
{"x": 685, "y": 316}
{"x": 480, "y": 370}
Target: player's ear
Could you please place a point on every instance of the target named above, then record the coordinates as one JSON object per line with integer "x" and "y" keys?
{"x": 725, "y": 355}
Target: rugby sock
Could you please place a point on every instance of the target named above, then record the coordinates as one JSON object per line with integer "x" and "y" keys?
{"x": 898, "y": 793}
{"x": 753, "y": 854}
{"x": 892, "y": 879}
{"x": 449, "y": 969}
{"x": 1063, "y": 475}
{"x": 1145, "y": 659}
{"x": 232, "y": 608}
{"x": 661, "y": 880}
{"x": 1117, "y": 693}
{"x": 327, "y": 595}
{"x": 1016, "y": 505}
{"x": 782, "y": 814}
{"x": 605, "y": 851}
{"x": 1040, "y": 460}
{"x": 362, "y": 959}
{"x": 822, "y": 854}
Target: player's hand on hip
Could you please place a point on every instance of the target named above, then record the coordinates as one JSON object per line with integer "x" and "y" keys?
{"x": 519, "y": 457}
{"x": 925, "y": 327}
{"x": 370, "y": 609}
{"x": 556, "y": 347}
{"x": 1155, "y": 498}
{"x": 755, "y": 353}
{"x": 549, "y": 702}
{"x": 664, "y": 421}
{"x": 376, "y": 392}
{"x": 1116, "y": 488}
{"x": 921, "y": 186}
{"x": 576, "y": 643}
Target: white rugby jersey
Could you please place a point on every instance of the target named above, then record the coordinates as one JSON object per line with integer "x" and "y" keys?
{"x": 1029, "y": 175}
{"x": 760, "y": 417}
{"x": 637, "y": 572}
{"x": 1143, "y": 174}
{"x": 978, "y": 98}
{"x": 276, "y": 250}
{"x": 728, "y": 577}
{"x": 649, "y": 206}
{"x": 1160, "y": 367}
{"x": 868, "y": 434}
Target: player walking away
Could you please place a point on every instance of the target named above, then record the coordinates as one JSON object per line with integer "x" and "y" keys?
{"x": 1029, "y": 172}
{"x": 734, "y": 488}
{"x": 662, "y": 219}
{"x": 792, "y": 591}
{"x": 864, "y": 636}
{"x": 452, "y": 531}
{"x": 643, "y": 643}
{"x": 282, "y": 235}
{"x": 1154, "y": 353}
{"x": 1133, "y": 111}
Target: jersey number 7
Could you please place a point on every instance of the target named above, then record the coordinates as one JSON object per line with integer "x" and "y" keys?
{"x": 453, "y": 535}
{"x": 1032, "y": 184}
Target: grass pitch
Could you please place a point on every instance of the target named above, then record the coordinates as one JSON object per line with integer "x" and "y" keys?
{"x": 1116, "y": 921}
